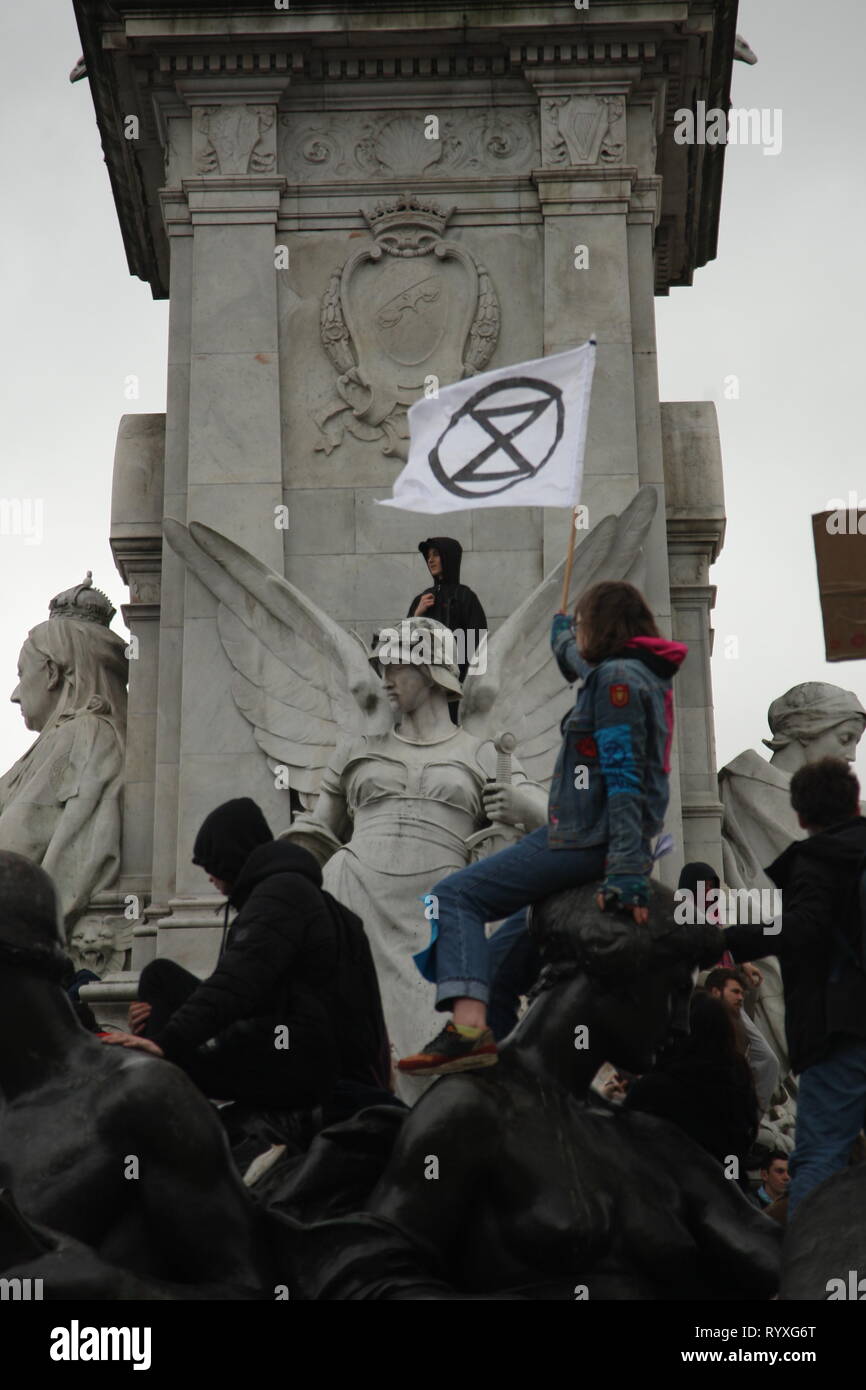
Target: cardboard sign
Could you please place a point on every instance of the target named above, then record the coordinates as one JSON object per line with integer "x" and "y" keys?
{"x": 840, "y": 554}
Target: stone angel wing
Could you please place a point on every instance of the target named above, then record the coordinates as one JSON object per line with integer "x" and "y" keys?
{"x": 522, "y": 689}
{"x": 300, "y": 680}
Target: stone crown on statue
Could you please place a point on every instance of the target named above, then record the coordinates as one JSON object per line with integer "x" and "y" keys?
{"x": 83, "y": 602}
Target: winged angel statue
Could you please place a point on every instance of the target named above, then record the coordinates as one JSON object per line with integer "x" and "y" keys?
{"x": 393, "y": 804}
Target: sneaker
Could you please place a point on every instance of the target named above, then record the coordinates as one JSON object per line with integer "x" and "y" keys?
{"x": 450, "y": 1052}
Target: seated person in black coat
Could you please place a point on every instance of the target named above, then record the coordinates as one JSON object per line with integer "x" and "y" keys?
{"x": 293, "y": 1005}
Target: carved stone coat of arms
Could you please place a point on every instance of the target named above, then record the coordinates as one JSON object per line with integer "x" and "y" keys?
{"x": 407, "y": 312}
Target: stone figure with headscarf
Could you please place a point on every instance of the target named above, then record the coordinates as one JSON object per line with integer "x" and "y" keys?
{"x": 60, "y": 804}
{"x": 810, "y": 721}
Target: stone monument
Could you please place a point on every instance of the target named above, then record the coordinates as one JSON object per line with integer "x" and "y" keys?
{"x": 347, "y": 207}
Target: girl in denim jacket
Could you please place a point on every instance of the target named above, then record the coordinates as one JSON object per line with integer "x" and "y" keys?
{"x": 608, "y": 799}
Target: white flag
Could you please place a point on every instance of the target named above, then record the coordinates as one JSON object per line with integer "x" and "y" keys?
{"x": 510, "y": 438}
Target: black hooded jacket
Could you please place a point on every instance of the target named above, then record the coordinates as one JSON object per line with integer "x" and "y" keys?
{"x": 292, "y": 956}
{"x": 457, "y": 606}
{"x": 820, "y": 943}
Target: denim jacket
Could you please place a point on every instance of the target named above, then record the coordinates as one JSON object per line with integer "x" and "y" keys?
{"x": 610, "y": 783}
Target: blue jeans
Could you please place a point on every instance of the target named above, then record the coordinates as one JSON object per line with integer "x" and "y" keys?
{"x": 497, "y": 887}
{"x": 831, "y": 1100}
{"x": 515, "y": 963}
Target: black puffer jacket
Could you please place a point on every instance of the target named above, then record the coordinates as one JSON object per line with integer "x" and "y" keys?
{"x": 293, "y": 956}
{"x": 457, "y": 606}
{"x": 820, "y": 944}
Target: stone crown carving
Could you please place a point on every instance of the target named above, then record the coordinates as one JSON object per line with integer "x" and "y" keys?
{"x": 83, "y": 602}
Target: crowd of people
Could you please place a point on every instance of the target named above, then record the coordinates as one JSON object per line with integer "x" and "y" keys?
{"x": 291, "y": 1018}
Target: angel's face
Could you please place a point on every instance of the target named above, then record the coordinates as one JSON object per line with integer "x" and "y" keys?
{"x": 406, "y": 687}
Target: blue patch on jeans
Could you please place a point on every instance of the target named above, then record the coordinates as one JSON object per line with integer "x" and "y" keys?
{"x": 617, "y": 760}
{"x": 426, "y": 960}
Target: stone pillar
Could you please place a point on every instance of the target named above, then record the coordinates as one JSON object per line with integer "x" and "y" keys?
{"x": 696, "y": 529}
{"x": 223, "y": 463}
{"x": 599, "y": 198}
{"x": 136, "y": 543}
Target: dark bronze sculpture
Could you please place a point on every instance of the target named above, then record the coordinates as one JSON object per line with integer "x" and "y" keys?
{"x": 512, "y": 1183}
{"x": 517, "y": 1182}
{"x": 116, "y": 1164}
{"x": 825, "y": 1243}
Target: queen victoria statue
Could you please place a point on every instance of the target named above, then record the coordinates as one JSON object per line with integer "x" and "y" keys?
{"x": 396, "y": 796}
{"x": 60, "y": 802}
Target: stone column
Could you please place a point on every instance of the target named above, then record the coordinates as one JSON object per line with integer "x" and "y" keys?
{"x": 599, "y": 198}
{"x": 136, "y": 543}
{"x": 223, "y": 465}
{"x": 696, "y": 528}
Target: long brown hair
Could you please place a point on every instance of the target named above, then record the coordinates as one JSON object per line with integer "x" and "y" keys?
{"x": 609, "y": 614}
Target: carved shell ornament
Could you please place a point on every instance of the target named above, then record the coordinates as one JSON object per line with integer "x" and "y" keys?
{"x": 404, "y": 144}
{"x": 407, "y": 312}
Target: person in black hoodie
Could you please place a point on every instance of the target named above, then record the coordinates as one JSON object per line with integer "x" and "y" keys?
{"x": 820, "y": 946}
{"x": 293, "y": 1005}
{"x": 449, "y": 601}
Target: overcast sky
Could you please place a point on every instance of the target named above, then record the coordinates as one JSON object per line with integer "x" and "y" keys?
{"x": 782, "y": 309}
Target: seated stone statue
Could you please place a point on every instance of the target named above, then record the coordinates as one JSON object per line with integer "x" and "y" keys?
{"x": 117, "y": 1165}
{"x": 519, "y": 1182}
{"x": 60, "y": 802}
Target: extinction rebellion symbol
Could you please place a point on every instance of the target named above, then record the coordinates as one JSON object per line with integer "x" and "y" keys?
{"x": 478, "y": 453}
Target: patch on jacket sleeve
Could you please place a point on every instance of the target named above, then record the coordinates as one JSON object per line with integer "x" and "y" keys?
{"x": 586, "y": 747}
{"x": 617, "y": 760}
{"x": 619, "y": 694}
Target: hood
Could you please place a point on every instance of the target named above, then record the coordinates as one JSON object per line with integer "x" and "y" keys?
{"x": 228, "y": 836}
{"x": 843, "y": 846}
{"x": 662, "y": 655}
{"x": 451, "y": 552}
{"x": 698, "y": 872}
{"x": 277, "y": 857}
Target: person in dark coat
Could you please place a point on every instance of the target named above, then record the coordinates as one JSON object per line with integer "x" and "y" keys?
{"x": 820, "y": 946}
{"x": 449, "y": 601}
{"x": 703, "y": 1084}
{"x": 293, "y": 1005}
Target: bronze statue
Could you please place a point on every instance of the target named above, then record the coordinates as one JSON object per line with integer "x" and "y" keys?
{"x": 116, "y": 1164}
{"x": 518, "y": 1182}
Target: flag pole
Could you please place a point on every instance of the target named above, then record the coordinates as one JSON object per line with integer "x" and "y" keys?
{"x": 569, "y": 561}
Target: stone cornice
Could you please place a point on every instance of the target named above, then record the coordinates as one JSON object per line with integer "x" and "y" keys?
{"x": 585, "y": 189}
{"x": 697, "y": 533}
{"x": 141, "y": 53}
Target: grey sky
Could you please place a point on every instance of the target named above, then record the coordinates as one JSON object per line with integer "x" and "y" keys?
{"x": 782, "y": 308}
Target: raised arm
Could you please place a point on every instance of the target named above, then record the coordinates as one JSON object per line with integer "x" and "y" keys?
{"x": 562, "y": 641}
